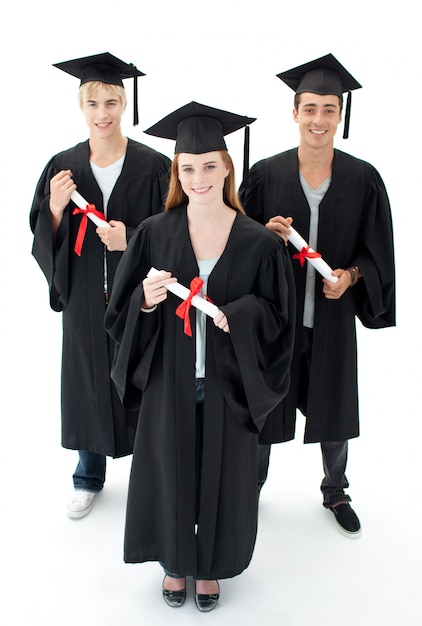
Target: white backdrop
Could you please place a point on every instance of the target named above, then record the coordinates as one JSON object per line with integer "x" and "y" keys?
{"x": 225, "y": 54}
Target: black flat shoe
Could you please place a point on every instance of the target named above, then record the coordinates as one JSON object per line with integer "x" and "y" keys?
{"x": 206, "y": 601}
{"x": 174, "y": 598}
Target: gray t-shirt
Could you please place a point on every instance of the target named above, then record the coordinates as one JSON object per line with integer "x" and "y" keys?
{"x": 314, "y": 197}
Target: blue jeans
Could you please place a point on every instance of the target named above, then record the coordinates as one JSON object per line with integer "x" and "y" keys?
{"x": 90, "y": 471}
{"x": 200, "y": 398}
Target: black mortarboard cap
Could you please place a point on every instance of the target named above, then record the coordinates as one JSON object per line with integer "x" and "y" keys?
{"x": 324, "y": 76}
{"x": 198, "y": 128}
{"x": 105, "y": 68}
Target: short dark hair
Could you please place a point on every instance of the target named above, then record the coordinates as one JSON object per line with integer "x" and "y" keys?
{"x": 296, "y": 101}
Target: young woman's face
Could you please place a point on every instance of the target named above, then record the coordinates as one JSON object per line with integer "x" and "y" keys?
{"x": 103, "y": 113}
{"x": 202, "y": 176}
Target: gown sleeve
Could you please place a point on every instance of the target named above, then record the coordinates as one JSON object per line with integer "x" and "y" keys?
{"x": 375, "y": 293}
{"x": 252, "y": 195}
{"x": 135, "y": 333}
{"x": 52, "y": 258}
{"x": 158, "y": 179}
{"x": 253, "y": 360}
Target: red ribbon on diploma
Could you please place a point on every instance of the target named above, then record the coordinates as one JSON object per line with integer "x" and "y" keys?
{"x": 183, "y": 309}
{"x": 90, "y": 208}
{"x": 306, "y": 253}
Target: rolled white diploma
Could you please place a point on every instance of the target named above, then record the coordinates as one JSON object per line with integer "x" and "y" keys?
{"x": 82, "y": 204}
{"x": 179, "y": 290}
{"x": 320, "y": 265}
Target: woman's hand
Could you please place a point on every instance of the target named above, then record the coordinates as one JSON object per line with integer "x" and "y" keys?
{"x": 221, "y": 321}
{"x": 155, "y": 290}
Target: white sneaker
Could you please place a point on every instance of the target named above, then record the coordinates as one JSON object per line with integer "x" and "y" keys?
{"x": 80, "y": 503}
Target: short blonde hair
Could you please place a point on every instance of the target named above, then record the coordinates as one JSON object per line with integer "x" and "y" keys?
{"x": 88, "y": 90}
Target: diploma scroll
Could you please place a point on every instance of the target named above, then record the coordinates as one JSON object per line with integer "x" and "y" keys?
{"x": 318, "y": 262}
{"x": 183, "y": 292}
{"x": 81, "y": 203}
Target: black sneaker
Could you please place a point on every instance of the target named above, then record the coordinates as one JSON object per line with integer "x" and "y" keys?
{"x": 347, "y": 521}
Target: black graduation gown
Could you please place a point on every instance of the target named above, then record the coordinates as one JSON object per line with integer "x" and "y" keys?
{"x": 92, "y": 415}
{"x": 246, "y": 376}
{"x": 355, "y": 228}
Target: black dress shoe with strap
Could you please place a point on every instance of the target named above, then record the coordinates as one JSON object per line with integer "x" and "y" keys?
{"x": 206, "y": 601}
{"x": 174, "y": 598}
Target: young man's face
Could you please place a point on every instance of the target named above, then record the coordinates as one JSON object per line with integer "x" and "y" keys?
{"x": 103, "y": 113}
{"x": 318, "y": 118}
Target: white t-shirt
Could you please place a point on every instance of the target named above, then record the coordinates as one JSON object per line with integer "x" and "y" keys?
{"x": 106, "y": 178}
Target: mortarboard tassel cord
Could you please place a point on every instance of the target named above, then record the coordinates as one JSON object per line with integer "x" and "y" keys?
{"x": 347, "y": 115}
{"x": 135, "y": 101}
{"x": 246, "y": 156}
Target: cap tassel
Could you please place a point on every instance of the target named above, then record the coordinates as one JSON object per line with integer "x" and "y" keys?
{"x": 135, "y": 101}
{"x": 246, "y": 155}
{"x": 347, "y": 115}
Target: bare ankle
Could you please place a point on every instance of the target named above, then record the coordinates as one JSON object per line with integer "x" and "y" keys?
{"x": 207, "y": 586}
{"x": 174, "y": 584}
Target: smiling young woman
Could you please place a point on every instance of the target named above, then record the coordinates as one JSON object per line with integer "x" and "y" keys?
{"x": 209, "y": 383}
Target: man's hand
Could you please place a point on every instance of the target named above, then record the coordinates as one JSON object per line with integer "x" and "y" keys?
{"x": 281, "y": 226}
{"x": 334, "y": 291}
{"x": 115, "y": 237}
